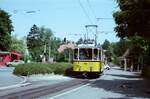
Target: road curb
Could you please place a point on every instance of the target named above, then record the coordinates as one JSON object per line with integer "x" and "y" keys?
{"x": 21, "y": 84}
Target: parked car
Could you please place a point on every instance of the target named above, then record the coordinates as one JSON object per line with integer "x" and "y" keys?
{"x": 106, "y": 66}
{"x": 15, "y": 62}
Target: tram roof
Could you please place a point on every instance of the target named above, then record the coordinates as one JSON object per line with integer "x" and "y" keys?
{"x": 87, "y": 46}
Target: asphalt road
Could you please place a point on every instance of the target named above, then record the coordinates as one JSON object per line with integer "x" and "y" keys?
{"x": 7, "y": 78}
{"x": 33, "y": 91}
{"x": 114, "y": 84}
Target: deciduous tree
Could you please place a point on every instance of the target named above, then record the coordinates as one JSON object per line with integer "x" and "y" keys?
{"x": 133, "y": 18}
{"x": 5, "y": 30}
{"x": 41, "y": 41}
{"x": 17, "y": 45}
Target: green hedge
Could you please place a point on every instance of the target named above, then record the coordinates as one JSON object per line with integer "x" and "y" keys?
{"x": 41, "y": 68}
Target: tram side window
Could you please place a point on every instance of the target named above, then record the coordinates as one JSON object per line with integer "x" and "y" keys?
{"x": 100, "y": 54}
{"x": 76, "y": 54}
{"x": 95, "y": 56}
{"x": 85, "y": 54}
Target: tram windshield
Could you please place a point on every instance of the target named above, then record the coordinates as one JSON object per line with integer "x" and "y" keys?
{"x": 86, "y": 54}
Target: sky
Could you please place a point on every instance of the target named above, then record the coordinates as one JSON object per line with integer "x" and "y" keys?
{"x": 66, "y": 18}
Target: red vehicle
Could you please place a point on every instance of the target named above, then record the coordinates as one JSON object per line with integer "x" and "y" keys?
{"x": 8, "y": 57}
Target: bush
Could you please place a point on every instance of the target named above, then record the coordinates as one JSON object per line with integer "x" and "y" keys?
{"x": 59, "y": 68}
{"x": 41, "y": 68}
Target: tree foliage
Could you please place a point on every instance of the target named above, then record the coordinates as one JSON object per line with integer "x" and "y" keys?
{"x": 138, "y": 50}
{"x": 106, "y": 45}
{"x": 5, "y": 30}
{"x": 41, "y": 41}
{"x": 17, "y": 45}
{"x": 133, "y": 22}
{"x": 117, "y": 49}
{"x": 121, "y": 47}
{"x": 34, "y": 43}
{"x": 133, "y": 18}
{"x": 80, "y": 41}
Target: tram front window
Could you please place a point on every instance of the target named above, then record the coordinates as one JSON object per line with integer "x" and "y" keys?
{"x": 85, "y": 54}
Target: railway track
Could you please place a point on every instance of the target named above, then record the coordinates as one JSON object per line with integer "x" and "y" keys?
{"x": 32, "y": 92}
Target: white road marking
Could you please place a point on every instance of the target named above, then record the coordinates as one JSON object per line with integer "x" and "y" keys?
{"x": 14, "y": 86}
{"x": 67, "y": 92}
{"x": 93, "y": 80}
{"x": 70, "y": 91}
{"x": 20, "y": 84}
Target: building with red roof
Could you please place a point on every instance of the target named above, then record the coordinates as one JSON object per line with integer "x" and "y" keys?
{"x": 8, "y": 57}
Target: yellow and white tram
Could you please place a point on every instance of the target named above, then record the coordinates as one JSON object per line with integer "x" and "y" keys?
{"x": 88, "y": 60}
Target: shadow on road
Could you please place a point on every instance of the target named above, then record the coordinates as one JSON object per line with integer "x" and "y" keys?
{"x": 128, "y": 88}
{"x": 125, "y": 76}
{"x": 80, "y": 76}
